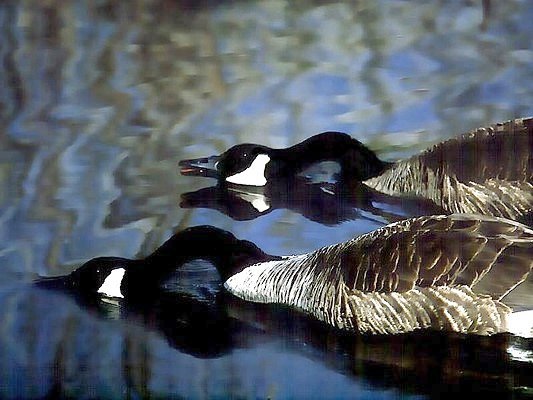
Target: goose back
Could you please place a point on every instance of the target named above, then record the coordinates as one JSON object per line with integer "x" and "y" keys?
{"x": 444, "y": 272}
{"x": 487, "y": 171}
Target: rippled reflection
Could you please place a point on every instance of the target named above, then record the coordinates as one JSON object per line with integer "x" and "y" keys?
{"x": 218, "y": 345}
{"x": 327, "y": 204}
{"x": 100, "y": 100}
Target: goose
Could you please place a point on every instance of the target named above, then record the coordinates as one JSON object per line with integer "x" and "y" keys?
{"x": 486, "y": 171}
{"x": 454, "y": 272}
{"x": 448, "y": 273}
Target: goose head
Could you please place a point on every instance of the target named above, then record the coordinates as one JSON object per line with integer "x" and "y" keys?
{"x": 258, "y": 165}
{"x": 243, "y": 164}
{"x": 101, "y": 276}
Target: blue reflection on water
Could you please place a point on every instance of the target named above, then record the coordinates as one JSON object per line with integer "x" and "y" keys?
{"x": 99, "y": 102}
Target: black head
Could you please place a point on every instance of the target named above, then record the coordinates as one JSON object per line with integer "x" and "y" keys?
{"x": 101, "y": 276}
{"x": 119, "y": 277}
{"x": 243, "y": 164}
{"x": 256, "y": 165}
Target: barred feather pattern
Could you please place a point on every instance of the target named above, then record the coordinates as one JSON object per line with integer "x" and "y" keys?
{"x": 456, "y": 309}
{"x": 487, "y": 171}
{"x": 499, "y": 198}
{"x": 438, "y": 272}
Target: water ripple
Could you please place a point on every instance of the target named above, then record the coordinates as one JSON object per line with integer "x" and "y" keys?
{"x": 100, "y": 101}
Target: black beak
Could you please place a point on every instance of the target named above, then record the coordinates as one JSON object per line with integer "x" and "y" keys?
{"x": 205, "y": 167}
{"x": 60, "y": 283}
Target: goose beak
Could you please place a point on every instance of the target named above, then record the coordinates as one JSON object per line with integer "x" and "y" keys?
{"x": 55, "y": 283}
{"x": 205, "y": 167}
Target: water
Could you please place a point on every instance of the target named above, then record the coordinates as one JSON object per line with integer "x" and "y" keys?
{"x": 100, "y": 100}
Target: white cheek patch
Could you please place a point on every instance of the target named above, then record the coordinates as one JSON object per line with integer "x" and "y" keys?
{"x": 111, "y": 285}
{"x": 260, "y": 204}
{"x": 254, "y": 175}
{"x": 258, "y": 201}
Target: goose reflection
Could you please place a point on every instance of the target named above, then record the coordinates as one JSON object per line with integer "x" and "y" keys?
{"x": 322, "y": 202}
{"x": 209, "y": 323}
{"x": 213, "y": 325}
{"x": 198, "y": 326}
{"x": 423, "y": 362}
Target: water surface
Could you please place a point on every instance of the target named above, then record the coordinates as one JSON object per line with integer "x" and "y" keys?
{"x": 100, "y": 100}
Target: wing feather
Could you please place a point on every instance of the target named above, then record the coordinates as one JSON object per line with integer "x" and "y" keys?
{"x": 486, "y": 171}
{"x": 502, "y": 151}
{"x": 491, "y": 255}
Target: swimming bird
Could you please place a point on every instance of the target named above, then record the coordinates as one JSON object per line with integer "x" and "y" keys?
{"x": 486, "y": 171}
{"x": 450, "y": 273}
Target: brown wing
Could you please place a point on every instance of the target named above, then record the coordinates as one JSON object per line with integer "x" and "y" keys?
{"x": 491, "y": 255}
{"x": 502, "y": 151}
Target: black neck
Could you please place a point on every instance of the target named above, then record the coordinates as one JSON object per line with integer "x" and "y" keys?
{"x": 357, "y": 160}
{"x": 228, "y": 254}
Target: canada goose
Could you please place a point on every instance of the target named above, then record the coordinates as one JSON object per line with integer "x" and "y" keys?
{"x": 447, "y": 273}
{"x": 439, "y": 272}
{"x": 486, "y": 171}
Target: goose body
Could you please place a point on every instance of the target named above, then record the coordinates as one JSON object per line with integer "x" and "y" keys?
{"x": 487, "y": 171}
{"x": 450, "y": 273}
{"x": 439, "y": 272}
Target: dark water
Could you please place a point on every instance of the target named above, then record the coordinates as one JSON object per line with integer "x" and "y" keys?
{"x": 99, "y": 101}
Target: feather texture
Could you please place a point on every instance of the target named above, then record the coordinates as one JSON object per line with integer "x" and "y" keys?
{"x": 487, "y": 171}
{"x": 441, "y": 272}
